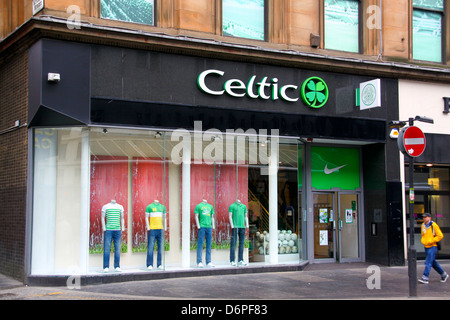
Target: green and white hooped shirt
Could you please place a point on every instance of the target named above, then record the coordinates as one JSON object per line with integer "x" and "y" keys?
{"x": 113, "y": 212}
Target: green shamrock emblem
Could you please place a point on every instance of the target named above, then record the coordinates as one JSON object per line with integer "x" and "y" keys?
{"x": 315, "y": 92}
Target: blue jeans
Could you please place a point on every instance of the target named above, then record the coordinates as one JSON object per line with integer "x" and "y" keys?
{"x": 202, "y": 233}
{"x": 111, "y": 235}
{"x": 235, "y": 232}
{"x": 154, "y": 234}
{"x": 430, "y": 261}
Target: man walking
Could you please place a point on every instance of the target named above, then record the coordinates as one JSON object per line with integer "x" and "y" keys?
{"x": 431, "y": 235}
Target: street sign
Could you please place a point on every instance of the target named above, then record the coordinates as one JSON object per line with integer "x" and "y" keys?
{"x": 411, "y": 141}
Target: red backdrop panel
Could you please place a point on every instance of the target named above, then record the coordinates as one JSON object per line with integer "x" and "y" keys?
{"x": 109, "y": 180}
{"x": 148, "y": 185}
{"x": 220, "y": 186}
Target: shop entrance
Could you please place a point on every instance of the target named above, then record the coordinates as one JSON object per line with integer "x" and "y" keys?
{"x": 336, "y": 226}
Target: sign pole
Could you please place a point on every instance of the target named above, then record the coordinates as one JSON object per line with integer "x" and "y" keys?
{"x": 412, "y": 143}
{"x": 412, "y": 252}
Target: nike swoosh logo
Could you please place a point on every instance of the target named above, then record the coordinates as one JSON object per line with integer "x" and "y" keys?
{"x": 330, "y": 171}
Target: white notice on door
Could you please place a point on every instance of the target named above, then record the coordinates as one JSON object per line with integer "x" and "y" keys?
{"x": 323, "y": 237}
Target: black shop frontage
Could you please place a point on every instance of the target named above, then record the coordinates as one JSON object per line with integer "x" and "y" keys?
{"x": 249, "y": 164}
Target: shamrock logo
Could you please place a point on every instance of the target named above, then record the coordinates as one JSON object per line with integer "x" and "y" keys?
{"x": 315, "y": 92}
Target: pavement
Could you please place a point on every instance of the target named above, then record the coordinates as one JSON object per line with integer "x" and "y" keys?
{"x": 346, "y": 281}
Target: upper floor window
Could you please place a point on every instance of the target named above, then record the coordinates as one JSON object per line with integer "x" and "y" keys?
{"x": 427, "y": 29}
{"x": 244, "y": 18}
{"x": 342, "y": 25}
{"x": 138, "y": 11}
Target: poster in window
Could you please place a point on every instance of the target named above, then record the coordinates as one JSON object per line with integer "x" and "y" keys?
{"x": 348, "y": 216}
{"x": 323, "y": 237}
{"x": 323, "y": 215}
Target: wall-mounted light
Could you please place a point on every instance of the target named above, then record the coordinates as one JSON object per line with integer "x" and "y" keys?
{"x": 54, "y": 77}
{"x": 314, "y": 40}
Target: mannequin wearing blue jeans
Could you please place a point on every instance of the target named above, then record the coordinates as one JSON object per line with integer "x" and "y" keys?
{"x": 204, "y": 219}
{"x": 112, "y": 235}
{"x": 204, "y": 233}
{"x": 239, "y": 222}
{"x": 155, "y": 221}
{"x": 154, "y": 235}
{"x": 113, "y": 224}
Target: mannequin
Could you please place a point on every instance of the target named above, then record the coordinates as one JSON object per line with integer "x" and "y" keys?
{"x": 239, "y": 222}
{"x": 155, "y": 221}
{"x": 204, "y": 219}
{"x": 113, "y": 223}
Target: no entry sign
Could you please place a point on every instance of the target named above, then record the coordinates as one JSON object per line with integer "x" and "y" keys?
{"x": 411, "y": 141}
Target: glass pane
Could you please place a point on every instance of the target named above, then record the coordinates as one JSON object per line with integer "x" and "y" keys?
{"x": 288, "y": 215}
{"x": 348, "y": 226}
{"x": 139, "y": 11}
{"x": 57, "y": 201}
{"x": 439, "y": 205}
{"x": 128, "y": 170}
{"x": 427, "y": 36}
{"x": 429, "y": 4}
{"x": 341, "y": 25}
{"x": 243, "y": 18}
{"x": 324, "y": 218}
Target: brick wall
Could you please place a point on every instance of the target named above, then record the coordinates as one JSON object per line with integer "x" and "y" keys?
{"x": 13, "y": 164}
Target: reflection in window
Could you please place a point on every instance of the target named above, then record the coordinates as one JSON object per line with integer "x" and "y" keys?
{"x": 342, "y": 25}
{"x": 78, "y": 171}
{"x": 427, "y": 35}
{"x": 139, "y": 11}
{"x": 243, "y": 18}
{"x": 432, "y": 194}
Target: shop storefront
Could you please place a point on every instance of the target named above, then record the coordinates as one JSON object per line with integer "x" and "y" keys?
{"x": 431, "y": 169}
{"x": 233, "y": 164}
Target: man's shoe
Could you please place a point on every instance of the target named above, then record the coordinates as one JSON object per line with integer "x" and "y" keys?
{"x": 444, "y": 278}
{"x": 425, "y": 281}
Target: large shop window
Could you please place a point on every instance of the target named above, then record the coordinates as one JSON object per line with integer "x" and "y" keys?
{"x": 198, "y": 200}
{"x": 342, "y": 25}
{"x": 432, "y": 194}
{"x": 244, "y": 19}
{"x": 427, "y": 29}
{"x": 139, "y": 11}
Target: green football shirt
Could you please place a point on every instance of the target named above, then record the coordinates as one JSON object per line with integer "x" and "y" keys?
{"x": 205, "y": 212}
{"x": 113, "y": 212}
{"x": 155, "y": 212}
{"x": 239, "y": 212}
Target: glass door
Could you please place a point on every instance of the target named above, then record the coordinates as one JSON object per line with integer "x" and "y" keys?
{"x": 348, "y": 227}
{"x": 324, "y": 227}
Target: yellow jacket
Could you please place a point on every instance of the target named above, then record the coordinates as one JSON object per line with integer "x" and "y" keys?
{"x": 428, "y": 238}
